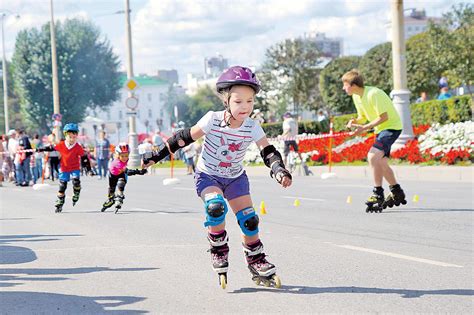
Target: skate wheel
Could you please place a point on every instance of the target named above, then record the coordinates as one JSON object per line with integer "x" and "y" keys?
{"x": 404, "y": 202}
{"x": 276, "y": 281}
{"x": 397, "y": 204}
{"x": 223, "y": 281}
{"x": 267, "y": 283}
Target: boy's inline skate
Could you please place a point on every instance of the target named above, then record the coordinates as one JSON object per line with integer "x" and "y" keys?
{"x": 119, "y": 201}
{"x": 376, "y": 201}
{"x": 219, "y": 255}
{"x": 109, "y": 203}
{"x": 396, "y": 197}
{"x": 263, "y": 272}
{"x": 75, "y": 196}
{"x": 59, "y": 203}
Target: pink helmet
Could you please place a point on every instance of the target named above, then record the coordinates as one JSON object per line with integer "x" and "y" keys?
{"x": 237, "y": 75}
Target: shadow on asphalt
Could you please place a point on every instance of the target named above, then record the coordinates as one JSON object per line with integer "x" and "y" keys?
{"x": 404, "y": 293}
{"x": 426, "y": 210}
{"x": 14, "y": 302}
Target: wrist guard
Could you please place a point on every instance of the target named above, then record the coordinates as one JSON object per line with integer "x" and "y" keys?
{"x": 48, "y": 148}
{"x": 272, "y": 159}
{"x": 184, "y": 135}
{"x": 135, "y": 172}
{"x": 173, "y": 143}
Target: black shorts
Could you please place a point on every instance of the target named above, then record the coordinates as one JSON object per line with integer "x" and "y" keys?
{"x": 291, "y": 143}
{"x": 385, "y": 139}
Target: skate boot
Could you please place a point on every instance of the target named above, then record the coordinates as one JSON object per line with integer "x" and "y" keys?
{"x": 263, "y": 272}
{"x": 75, "y": 197}
{"x": 219, "y": 255}
{"x": 395, "y": 198}
{"x": 375, "y": 202}
{"x": 119, "y": 201}
{"x": 59, "y": 203}
{"x": 109, "y": 203}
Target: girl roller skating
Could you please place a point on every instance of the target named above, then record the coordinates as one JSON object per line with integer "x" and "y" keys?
{"x": 118, "y": 174}
{"x": 220, "y": 175}
{"x": 69, "y": 164}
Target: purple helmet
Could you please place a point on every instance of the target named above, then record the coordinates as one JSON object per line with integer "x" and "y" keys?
{"x": 237, "y": 75}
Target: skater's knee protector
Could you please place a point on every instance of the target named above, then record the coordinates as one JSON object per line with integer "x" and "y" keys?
{"x": 248, "y": 221}
{"x": 76, "y": 183}
{"x": 216, "y": 209}
{"x": 62, "y": 186}
{"x": 121, "y": 184}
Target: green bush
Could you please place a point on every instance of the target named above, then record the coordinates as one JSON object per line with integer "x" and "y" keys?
{"x": 453, "y": 110}
{"x": 308, "y": 126}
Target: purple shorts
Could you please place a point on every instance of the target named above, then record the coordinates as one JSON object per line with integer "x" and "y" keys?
{"x": 231, "y": 187}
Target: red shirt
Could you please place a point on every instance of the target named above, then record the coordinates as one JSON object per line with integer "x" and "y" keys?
{"x": 70, "y": 158}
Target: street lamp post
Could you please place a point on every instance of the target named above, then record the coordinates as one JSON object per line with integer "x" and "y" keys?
{"x": 54, "y": 73}
{"x": 3, "y": 15}
{"x": 400, "y": 93}
{"x": 134, "y": 160}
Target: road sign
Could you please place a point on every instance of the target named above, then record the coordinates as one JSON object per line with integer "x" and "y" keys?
{"x": 131, "y": 85}
{"x": 131, "y": 102}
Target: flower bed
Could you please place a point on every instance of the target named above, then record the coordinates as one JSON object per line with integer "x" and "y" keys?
{"x": 442, "y": 143}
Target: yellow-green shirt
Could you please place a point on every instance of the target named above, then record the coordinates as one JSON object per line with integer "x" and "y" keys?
{"x": 372, "y": 104}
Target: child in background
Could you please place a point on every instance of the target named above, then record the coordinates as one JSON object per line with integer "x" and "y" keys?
{"x": 69, "y": 163}
{"x": 118, "y": 174}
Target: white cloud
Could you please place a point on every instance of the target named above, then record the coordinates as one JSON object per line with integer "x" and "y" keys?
{"x": 180, "y": 33}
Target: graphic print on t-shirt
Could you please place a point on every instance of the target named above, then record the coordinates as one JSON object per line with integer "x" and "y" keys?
{"x": 226, "y": 153}
{"x": 224, "y": 148}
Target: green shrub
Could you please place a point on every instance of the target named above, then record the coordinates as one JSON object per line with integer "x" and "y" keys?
{"x": 307, "y": 126}
{"x": 457, "y": 109}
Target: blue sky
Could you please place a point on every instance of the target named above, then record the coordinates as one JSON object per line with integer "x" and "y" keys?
{"x": 178, "y": 34}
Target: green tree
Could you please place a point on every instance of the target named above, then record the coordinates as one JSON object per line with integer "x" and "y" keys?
{"x": 452, "y": 44}
{"x": 14, "y": 118}
{"x": 87, "y": 72}
{"x": 174, "y": 98}
{"x": 376, "y": 67}
{"x": 290, "y": 73}
{"x": 423, "y": 71}
{"x": 205, "y": 100}
{"x": 330, "y": 84}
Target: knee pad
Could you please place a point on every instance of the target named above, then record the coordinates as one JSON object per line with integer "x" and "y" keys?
{"x": 121, "y": 184}
{"x": 216, "y": 209}
{"x": 248, "y": 221}
{"x": 62, "y": 186}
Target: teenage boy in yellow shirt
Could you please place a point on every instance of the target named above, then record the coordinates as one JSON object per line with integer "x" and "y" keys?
{"x": 374, "y": 105}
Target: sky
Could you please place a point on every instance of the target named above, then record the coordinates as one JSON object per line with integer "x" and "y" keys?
{"x": 179, "y": 34}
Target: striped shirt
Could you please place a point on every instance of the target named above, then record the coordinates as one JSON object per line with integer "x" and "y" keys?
{"x": 224, "y": 148}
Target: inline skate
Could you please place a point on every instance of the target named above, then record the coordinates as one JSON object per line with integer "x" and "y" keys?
{"x": 109, "y": 203}
{"x": 119, "y": 201}
{"x": 395, "y": 198}
{"x": 376, "y": 201}
{"x": 219, "y": 255}
{"x": 75, "y": 196}
{"x": 59, "y": 203}
{"x": 263, "y": 272}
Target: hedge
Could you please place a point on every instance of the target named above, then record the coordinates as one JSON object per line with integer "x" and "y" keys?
{"x": 453, "y": 110}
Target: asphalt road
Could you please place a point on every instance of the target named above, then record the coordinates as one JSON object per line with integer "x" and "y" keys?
{"x": 152, "y": 256}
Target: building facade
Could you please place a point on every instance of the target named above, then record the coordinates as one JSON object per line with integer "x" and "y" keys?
{"x": 151, "y": 113}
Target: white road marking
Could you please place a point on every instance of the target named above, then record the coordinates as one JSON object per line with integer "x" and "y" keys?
{"x": 395, "y": 255}
{"x": 303, "y": 198}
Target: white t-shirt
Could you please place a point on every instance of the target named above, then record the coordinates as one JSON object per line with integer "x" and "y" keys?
{"x": 290, "y": 127}
{"x": 224, "y": 148}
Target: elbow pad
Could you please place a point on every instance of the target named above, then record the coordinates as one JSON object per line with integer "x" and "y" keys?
{"x": 184, "y": 135}
{"x": 271, "y": 156}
